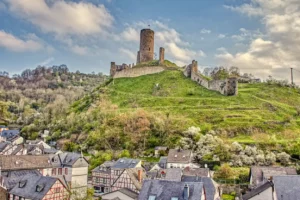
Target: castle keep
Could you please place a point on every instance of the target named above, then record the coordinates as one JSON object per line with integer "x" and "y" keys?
{"x": 144, "y": 55}
{"x": 146, "y": 51}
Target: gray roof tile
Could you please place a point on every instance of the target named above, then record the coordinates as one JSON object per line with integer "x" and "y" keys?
{"x": 165, "y": 190}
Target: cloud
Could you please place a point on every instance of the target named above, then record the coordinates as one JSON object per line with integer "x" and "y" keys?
{"x": 46, "y": 62}
{"x": 63, "y": 17}
{"x": 128, "y": 53}
{"x": 221, "y": 36}
{"x": 278, "y": 48}
{"x": 176, "y": 48}
{"x": 205, "y": 31}
{"x": 13, "y": 43}
{"x": 130, "y": 34}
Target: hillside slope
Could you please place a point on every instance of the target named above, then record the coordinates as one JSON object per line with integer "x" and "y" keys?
{"x": 257, "y": 107}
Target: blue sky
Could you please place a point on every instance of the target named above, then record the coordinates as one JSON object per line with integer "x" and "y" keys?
{"x": 259, "y": 36}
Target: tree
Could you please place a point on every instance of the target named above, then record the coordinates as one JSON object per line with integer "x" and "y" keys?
{"x": 225, "y": 171}
{"x": 234, "y": 71}
{"x": 220, "y": 73}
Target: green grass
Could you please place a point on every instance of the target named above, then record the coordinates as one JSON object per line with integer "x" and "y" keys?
{"x": 257, "y": 107}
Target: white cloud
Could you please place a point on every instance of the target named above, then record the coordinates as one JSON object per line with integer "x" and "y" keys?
{"x": 13, "y": 43}
{"x": 205, "y": 31}
{"x": 176, "y": 49}
{"x": 46, "y": 62}
{"x": 80, "y": 50}
{"x": 63, "y": 17}
{"x": 221, "y": 36}
{"x": 130, "y": 34}
{"x": 278, "y": 49}
{"x": 128, "y": 53}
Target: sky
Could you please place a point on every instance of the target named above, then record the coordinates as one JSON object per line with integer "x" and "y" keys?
{"x": 261, "y": 37}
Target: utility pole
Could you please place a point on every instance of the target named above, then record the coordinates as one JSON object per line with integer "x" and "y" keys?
{"x": 292, "y": 80}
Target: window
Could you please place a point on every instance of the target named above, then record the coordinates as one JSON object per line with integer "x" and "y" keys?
{"x": 152, "y": 197}
{"x": 104, "y": 180}
{"x": 57, "y": 190}
{"x": 66, "y": 171}
{"x": 60, "y": 171}
{"x": 54, "y": 171}
{"x": 101, "y": 180}
{"x": 97, "y": 180}
{"x": 174, "y": 198}
{"x": 117, "y": 172}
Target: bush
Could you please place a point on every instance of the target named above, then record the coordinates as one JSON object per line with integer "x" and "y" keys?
{"x": 225, "y": 171}
{"x": 283, "y": 158}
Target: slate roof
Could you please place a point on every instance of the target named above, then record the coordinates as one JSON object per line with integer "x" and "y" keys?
{"x": 17, "y": 150}
{"x": 125, "y": 163}
{"x": 3, "y": 145}
{"x": 125, "y": 191}
{"x": 163, "y": 161}
{"x": 287, "y": 187}
{"x": 65, "y": 159}
{"x": 163, "y": 190}
{"x": 105, "y": 167}
{"x": 11, "y": 178}
{"x": 211, "y": 187}
{"x": 32, "y": 183}
{"x": 10, "y": 134}
{"x": 262, "y": 174}
{"x": 50, "y": 151}
{"x": 179, "y": 156}
{"x": 202, "y": 172}
{"x": 19, "y": 162}
{"x": 257, "y": 190}
{"x": 172, "y": 174}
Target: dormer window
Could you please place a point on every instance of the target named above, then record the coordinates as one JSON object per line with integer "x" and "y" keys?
{"x": 22, "y": 183}
{"x": 39, "y": 187}
{"x": 152, "y": 197}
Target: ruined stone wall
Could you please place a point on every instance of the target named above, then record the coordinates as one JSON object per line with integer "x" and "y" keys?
{"x": 146, "y": 52}
{"x": 226, "y": 87}
{"x": 138, "y": 71}
{"x": 161, "y": 55}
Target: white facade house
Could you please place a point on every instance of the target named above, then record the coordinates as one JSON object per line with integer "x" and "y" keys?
{"x": 178, "y": 158}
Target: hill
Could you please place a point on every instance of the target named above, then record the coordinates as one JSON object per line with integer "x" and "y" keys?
{"x": 257, "y": 107}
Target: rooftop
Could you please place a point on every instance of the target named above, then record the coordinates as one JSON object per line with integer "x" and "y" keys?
{"x": 124, "y": 163}
{"x": 287, "y": 187}
{"x": 162, "y": 189}
{"x": 33, "y": 187}
{"x": 179, "y": 156}
{"x": 201, "y": 172}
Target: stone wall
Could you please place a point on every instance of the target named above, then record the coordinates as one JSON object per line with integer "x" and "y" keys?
{"x": 226, "y": 87}
{"x": 138, "y": 71}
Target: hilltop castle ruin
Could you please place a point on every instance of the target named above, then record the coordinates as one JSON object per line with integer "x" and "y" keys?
{"x": 145, "y": 54}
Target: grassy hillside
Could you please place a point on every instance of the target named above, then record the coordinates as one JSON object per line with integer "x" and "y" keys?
{"x": 258, "y": 108}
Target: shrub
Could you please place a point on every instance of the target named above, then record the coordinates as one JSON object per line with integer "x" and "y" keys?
{"x": 283, "y": 158}
{"x": 225, "y": 171}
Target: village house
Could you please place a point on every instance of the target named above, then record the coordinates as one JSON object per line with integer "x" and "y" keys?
{"x": 260, "y": 175}
{"x": 70, "y": 168}
{"x": 121, "y": 194}
{"x": 212, "y": 189}
{"x": 179, "y": 158}
{"x": 277, "y": 188}
{"x": 39, "y": 187}
{"x": 123, "y": 173}
{"x": 171, "y": 174}
{"x": 171, "y": 190}
{"x": 12, "y": 136}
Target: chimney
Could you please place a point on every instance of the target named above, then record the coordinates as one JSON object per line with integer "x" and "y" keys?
{"x": 186, "y": 192}
{"x": 140, "y": 175}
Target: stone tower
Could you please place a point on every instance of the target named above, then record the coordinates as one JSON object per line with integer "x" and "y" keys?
{"x": 113, "y": 69}
{"x": 161, "y": 55}
{"x": 146, "y": 51}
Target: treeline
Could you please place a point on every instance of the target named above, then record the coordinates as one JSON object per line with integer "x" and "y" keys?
{"x": 43, "y": 91}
